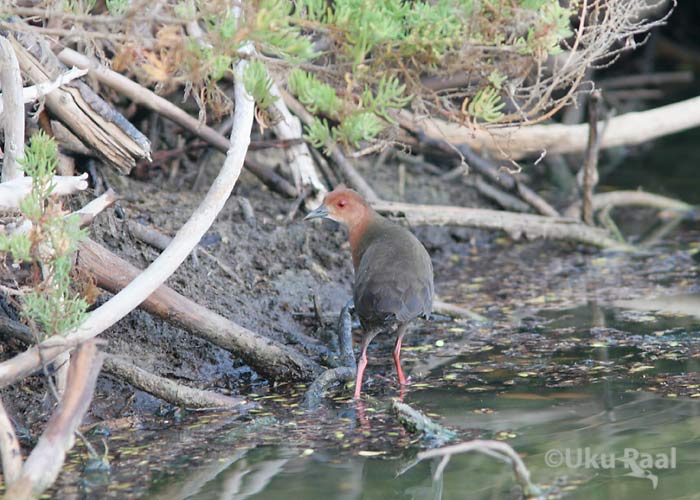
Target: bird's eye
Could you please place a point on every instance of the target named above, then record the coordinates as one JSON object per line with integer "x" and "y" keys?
{"x": 342, "y": 203}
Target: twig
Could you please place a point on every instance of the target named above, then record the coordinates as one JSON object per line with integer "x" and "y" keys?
{"x": 168, "y": 261}
{"x": 166, "y": 389}
{"x": 141, "y": 95}
{"x": 515, "y": 224}
{"x": 630, "y": 198}
{"x": 317, "y": 390}
{"x": 12, "y": 118}
{"x": 492, "y": 448}
{"x": 88, "y": 213}
{"x": 44, "y": 463}
{"x": 88, "y": 116}
{"x": 287, "y": 127}
{"x": 590, "y": 165}
{"x": 485, "y": 167}
{"x": 505, "y": 200}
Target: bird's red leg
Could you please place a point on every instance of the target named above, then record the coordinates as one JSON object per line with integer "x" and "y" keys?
{"x": 362, "y": 363}
{"x": 397, "y": 354}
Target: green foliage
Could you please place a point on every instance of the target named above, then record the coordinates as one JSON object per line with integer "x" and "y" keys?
{"x": 358, "y": 127}
{"x": 318, "y": 97}
{"x": 117, "y": 7}
{"x": 389, "y": 94}
{"x": 50, "y": 244}
{"x": 276, "y": 32}
{"x": 258, "y": 84}
{"x": 486, "y": 105}
{"x": 318, "y": 133}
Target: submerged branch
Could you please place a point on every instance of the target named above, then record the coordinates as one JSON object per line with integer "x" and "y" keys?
{"x": 496, "y": 449}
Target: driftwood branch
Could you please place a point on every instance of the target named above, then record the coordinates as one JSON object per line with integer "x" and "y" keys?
{"x": 516, "y": 225}
{"x": 145, "y": 97}
{"x": 44, "y": 463}
{"x": 519, "y": 142}
{"x": 85, "y": 114}
{"x": 166, "y": 389}
{"x": 13, "y": 192}
{"x": 34, "y": 92}
{"x": 496, "y": 449}
{"x": 270, "y": 359}
{"x": 148, "y": 281}
{"x": 10, "y": 451}
{"x": 630, "y": 198}
{"x": 12, "y": 117}
{"x": 485, "y": 167}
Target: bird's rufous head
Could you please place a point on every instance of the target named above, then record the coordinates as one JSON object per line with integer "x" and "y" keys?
{"x": 342, "y": 205}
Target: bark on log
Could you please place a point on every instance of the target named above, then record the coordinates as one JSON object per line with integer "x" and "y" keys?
{"x": 515, "y": 224}
{"x": 86, "y": 115}
{"x": 270, "y": 359}
{"x": 518, "y": 142}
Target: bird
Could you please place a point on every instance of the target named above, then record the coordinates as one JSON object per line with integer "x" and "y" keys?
{"x": 393, "y": 272}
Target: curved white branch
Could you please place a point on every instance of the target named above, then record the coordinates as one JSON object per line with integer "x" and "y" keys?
{"x": 168, "y": 261}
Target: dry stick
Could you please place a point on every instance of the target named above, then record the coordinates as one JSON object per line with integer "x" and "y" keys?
{"x": 516, "y": 225}
{"x": 12, "y": 118}
{"x": 141, "y": 95}
{"x": 492, "y": 448}
{"x": 10, "y": 451}
{"x": 505, "y": 200}
{"x": 44, "y": 463}
{"x": 267, "y": 357}
{"x": 148, "y": 281}
{"x": 166, "y": 389}
{"x": 518, "y": 142}
{"x": 590, "y": 165}
{"x": 353, "y": 176}
{"x": 630, "y": 198}
{"x": 485, "y": 167}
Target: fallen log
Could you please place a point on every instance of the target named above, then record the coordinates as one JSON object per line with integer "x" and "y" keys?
{"x": 515, "y": 224}
{"x": 518, "y": 142}
{"x": 265, "y": 356}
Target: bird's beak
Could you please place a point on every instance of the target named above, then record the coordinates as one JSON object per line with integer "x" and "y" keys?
{"x": 320, "y": 213}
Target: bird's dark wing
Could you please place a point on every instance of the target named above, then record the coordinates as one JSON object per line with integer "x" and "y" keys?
{"x": 393, "y": 282}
